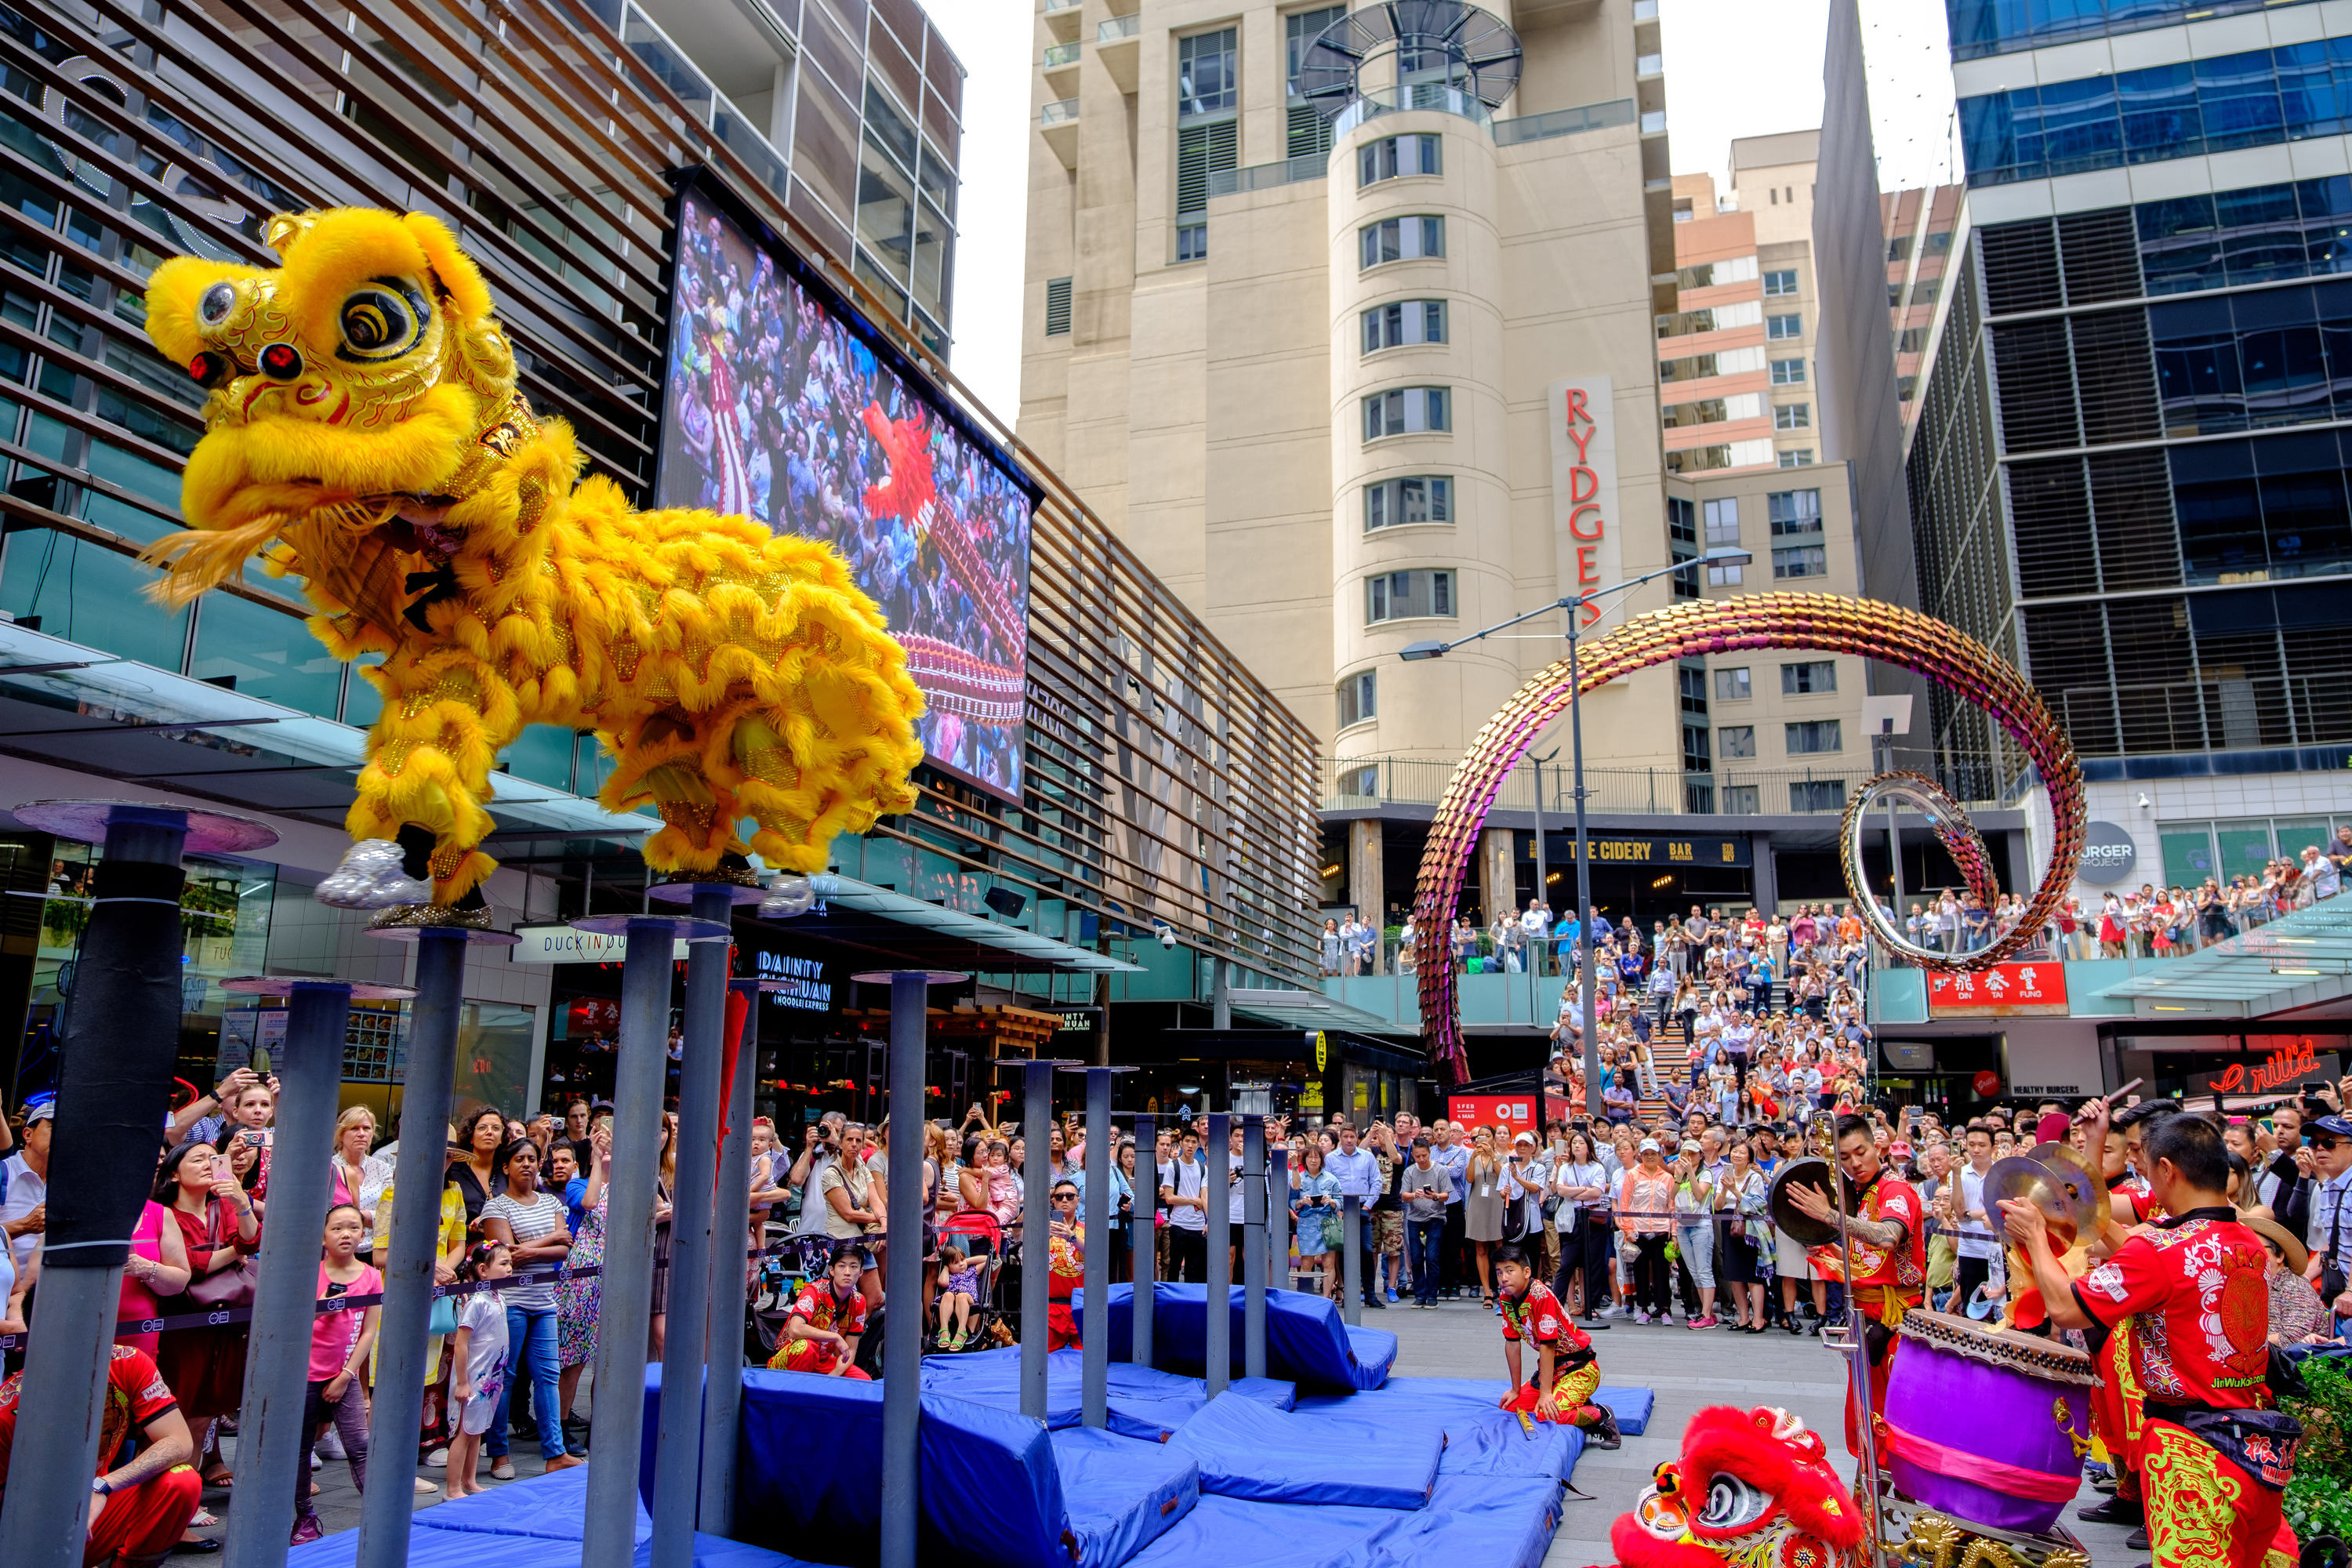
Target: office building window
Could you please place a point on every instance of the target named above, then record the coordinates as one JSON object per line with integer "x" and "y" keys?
{"x": 1058, "y": 307}
{"x": 1359, "y": 698}
{"x": 1711, "y": 319}
{"x": 1793, "y": 416}
{"x": 1913, "y": 341}
{"x": 1732, "y": 685}
{"x": 1389, "y": 157}
{"x": 1793, "y": 511}
{"x": 1899, "y": 249}
{"x": 1817, "y": 794}
{"x": 1808, "y": 678}
{"x": 1788, "y": 373}
{"x": 1712, "y": 410}
{"x": 1407, "y": 411}
{"x": 1204, "y": 74}
{"x": 1723, "y": 520}
{"x": 1698, "y": 367}
{"x": 1402, "y": 239}
{"x": 1686, "y": 583}
{"x": 1402, "y": 595}
{"x": 1723, "y": 576}
{"x": 1682, "y": 519}
{"x": 1735, "y": 740}
{"x": 1299, "y": 30}
{"x": 1691, "y": 680}
{"x": 1779, "y": 283}
{"x": 1417, "y": 498}
{"x": 1813, "y": 736}
{"x": 1192, "y": 242}
{"x": 1797, "y": 458}
{"x": 1403, "y": 321}
{"x": 1802, "y": 561}
{"x": 1709, "y": 274}
{"x": 1694, "y": 749}
{"x": 1779, "y": 327}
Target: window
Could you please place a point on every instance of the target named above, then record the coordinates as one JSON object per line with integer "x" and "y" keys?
{"x": 1407, "y": 410}
{"x": 1735, "y": 740}
{"x": 1359, "y": 698}
{"x": 1777, "y": 284}
{"x": 1712, "y": 410}
{"x": 1698, "y": 367}
{"x": 1731, "y": 685}
{"x": 1713, "y": 318}
{"x": 1307, "y": 134}
{"x": 1899, "y": 249}
{"x": 1793, "y": 416}
{"x": 1808, "y": 678}
{"x": 1779, "y": 327}
{"x": 1802, "y": 561}
{"x": 1698, "y": 795}
{"x": 1692, "y": 681}
{"x": 1192, "y": 242}
{"x": 1202, "y": 151}
{"x": 1708, "y": 274}
{"x": 1793, "y": 511}
{"x": 1682, "y": 519}
{"x": 1694, "y": 757}
{"x": 1420, "y": 498}
{"x": 1404, "y": 321}
{"x": 1401, "y": 596}
{"x": 1722, "y": 455}
{"x": 1363, "y": 781}
{"x": 1723, "y": 520}
{"x": 1894, "y": 296}
{"x": 1817, "y": 794}
{"x": 1815, "y": 735}
{"x": 1058, "y": 307}
{"x": 1723, "y": 576}
{"x": 1913, "y": 340}
{"x": 1300, "y": 29}
{"x": 1739, "y": 800}
{"x": 1788, "y": 373}
{"x": 1389, "y": 157}
{"x": 1402, "y": 239}
{"x": 1204, "y": 73}
{"x": 1797, "y": 458}
{"x": 1685, "y": 584}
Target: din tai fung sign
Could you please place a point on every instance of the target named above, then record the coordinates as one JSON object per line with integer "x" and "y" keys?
{"x": 1588, "y": 546}
{"x": 2003, "y": 990}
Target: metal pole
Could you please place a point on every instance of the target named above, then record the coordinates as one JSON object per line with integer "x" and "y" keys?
{"x": 1351, "y": 1267}
{"x": 277, "y": 1354}
{"x": 1254, "y": 1255}
{"x": 1146, "y": 1248}
{"x": 1220, "y": 998}
{"x": 1219, "y": 1302}
{"x": 403, "y": 1325}
{"x": 1094, "y": 1338}
{"x": 1036, "y": 1223}
{"x": 722, "y": 1395}
{"x": 1543, "y": 892}
{"x": 678, "y": 1451}
{"x": 1278, "y": 1214}
{"x": 1857, "y": 1351}
{"x": 114, "y": 1078}
{"x": 902, "y": 1274}
{"x": 624, "y": 1303}
{"x": 1894, "y": 831}
{"x": 1591, "y": 992}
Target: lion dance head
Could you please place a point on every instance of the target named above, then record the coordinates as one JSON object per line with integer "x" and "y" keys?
{"x": 1753, "y": 1487}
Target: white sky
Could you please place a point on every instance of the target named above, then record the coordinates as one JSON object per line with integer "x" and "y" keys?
{"x": 1734, "y": 68}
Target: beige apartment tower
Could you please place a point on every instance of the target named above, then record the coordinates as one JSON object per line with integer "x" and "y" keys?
{"x": 1350, "y": 336}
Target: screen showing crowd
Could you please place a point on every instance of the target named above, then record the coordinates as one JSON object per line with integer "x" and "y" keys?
{"x": 778, "y": 410}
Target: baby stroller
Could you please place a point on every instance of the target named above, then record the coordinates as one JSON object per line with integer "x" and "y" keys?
{"x": 785, "y": 1267}
{"x": 976, "y": 1235}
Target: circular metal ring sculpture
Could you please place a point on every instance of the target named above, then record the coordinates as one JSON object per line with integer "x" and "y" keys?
{"x": 1815, "y": 622}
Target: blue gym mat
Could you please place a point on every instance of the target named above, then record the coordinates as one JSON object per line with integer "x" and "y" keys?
{"x": 1632, "y": 1406}
{"x": 1322, "y": 1456}
{"x": 1306, "y": 1341}
{"x": 1481, "y": 1437}
{"x": 1495, "y": 1523}
{"x": 1141, "y": 1402}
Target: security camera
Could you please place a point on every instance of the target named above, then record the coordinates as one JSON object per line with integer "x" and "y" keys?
{"x": 1167, "y": 936}
{"x": 2144, "y": 802}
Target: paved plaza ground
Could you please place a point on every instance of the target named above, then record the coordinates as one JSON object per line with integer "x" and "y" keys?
{"x": 1688, "y": 1370}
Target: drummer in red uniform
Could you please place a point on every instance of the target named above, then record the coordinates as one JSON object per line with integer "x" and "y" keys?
{"x": 2215, "y": 1458}
{"x": 824, "y": 1320}
{"x": 2115, "y": 1400}
{"x": 1065, "y": 1262}
{"x": 1890, "y": 1254}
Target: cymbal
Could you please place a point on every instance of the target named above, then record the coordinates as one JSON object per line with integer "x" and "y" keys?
{"x": 2059, "y": 1187}
{"x": 1794, "y": 1222}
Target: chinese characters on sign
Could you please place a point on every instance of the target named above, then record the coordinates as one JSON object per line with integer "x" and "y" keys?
{"x": 2005, "y": 991}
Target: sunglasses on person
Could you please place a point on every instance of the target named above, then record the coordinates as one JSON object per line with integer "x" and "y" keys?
{"x": 2324, "y": 1143}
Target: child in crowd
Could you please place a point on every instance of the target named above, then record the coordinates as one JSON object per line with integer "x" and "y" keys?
{"x": 341, "y": 1343}
{"x": 958, "y": 1295}
{"x": 477, "y": 1352}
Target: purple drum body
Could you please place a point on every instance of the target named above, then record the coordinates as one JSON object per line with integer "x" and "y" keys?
{"x": 1987, "y": 1395}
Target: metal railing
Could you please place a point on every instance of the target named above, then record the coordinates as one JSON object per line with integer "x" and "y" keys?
{"x": 1425, "y": 96}
{"x": 1358, "y": 783}
{"x": 1060, "y": 55}
{"x": 1564, "y": 122}
{"x": 1119, "y": 28}
{"x": 1266, "y": 176}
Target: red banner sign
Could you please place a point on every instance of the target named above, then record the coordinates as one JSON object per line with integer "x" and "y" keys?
{"x": 2005, "y": 991}
{"x": 1515, "y": 1113}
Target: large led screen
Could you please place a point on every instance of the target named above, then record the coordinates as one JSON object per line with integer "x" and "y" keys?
{"x": 784, "y": 407}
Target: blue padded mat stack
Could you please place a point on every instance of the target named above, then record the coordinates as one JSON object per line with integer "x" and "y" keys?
{"x": 1631, "y": 1406}
{"x": 1142, "y": 1401}
{"x": 1306, "y": 1343}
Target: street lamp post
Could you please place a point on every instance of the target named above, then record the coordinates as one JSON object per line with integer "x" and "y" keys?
{"x": 1721, "y": 556}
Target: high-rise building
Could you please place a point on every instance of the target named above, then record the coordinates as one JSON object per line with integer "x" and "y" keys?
{"x": 2128, "y": 469}
{"x": 1917, "y": 224}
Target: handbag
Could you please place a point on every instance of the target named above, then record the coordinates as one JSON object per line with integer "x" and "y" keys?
{"x": 1334, "y": 1234}
{"x": 444, "y": 1320}
{"x": 230, "y": 1287}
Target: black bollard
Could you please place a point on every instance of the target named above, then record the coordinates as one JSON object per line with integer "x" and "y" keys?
{"x": 1144, "y": 1248}
{"x": 1219, "y": 1339}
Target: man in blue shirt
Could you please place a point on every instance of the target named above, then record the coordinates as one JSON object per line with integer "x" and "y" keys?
{"x": 1454, "y": 1155}
{"x": 1360, "y": 1177}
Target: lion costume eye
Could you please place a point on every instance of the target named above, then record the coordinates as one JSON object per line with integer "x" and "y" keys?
{"x": 382, "y": 320}
{"x": 217, "y": 302}
{"x": 1731, "y": 1503}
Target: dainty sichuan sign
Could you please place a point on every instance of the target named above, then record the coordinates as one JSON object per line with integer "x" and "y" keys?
{"x": 2005, "y": 991}
{"x": 1609, "y": 849}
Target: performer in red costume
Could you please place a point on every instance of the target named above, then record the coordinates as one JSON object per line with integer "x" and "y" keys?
{"x": 822, "y": 1326}
{"x": 2215, "y": 1458}
{"x": 138, "y": 1510}
{"x": 1890, "y": 1255}
{"x": 1065, "y": 1258}
{"x": 1567, "y": 1372}
{"x": 2117, "y": 1398}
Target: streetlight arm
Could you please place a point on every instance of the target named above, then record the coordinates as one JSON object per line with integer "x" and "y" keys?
{"x": 1573, "y": 602}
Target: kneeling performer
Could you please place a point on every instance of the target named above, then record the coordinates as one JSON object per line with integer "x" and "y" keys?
{"x": 1567, "y": 1371}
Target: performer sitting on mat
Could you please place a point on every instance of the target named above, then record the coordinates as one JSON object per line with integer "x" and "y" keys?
{"x": 137, "y": 1510}
{"x": 1567, "y": 1371}
{"x": 1065, "y": 1262}
{"x": 2116, "y": 1400}
{"x": 1890, "y": 1254}
{"x": 2214, "y": 1459}
{"x": 821, "y": 1328}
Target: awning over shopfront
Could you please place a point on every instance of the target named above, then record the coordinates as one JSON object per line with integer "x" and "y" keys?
{"x": 2298, "y": 962}
{"x": 78, "y": 708}
{"x": 1310, "y": 1010}
{"x": 905, "y": 932}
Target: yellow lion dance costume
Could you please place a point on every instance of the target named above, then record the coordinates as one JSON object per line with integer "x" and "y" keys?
{"x": 364, "y": 434}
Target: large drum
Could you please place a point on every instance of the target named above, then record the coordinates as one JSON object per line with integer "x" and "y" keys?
{"x": 1987, "y": 1425}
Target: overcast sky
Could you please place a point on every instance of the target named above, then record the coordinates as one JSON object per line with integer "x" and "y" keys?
{"x": 1734, "y": 68}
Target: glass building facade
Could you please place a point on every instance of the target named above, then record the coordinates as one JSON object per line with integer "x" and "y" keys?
{"x": 2128, "y": 470}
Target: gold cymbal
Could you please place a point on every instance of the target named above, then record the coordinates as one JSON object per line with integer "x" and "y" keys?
{"x": 2054, "y": 1183}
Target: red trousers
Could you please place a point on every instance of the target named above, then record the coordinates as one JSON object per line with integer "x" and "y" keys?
{"x": 145, "y": 1521}
{"x": 1061, "y": 1327}
{"x": 2116, "y": 1402}
{"x": 2203, "y": 1511}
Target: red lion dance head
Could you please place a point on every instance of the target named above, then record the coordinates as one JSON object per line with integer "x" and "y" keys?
{"x": 1752, "y": 1487}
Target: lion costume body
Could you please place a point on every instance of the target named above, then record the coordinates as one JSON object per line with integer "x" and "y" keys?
{"x": 1752, "y": 1487}
{"x": 364, "y": 434}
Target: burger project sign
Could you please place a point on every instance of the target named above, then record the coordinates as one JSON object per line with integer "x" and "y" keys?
{"x": 2109, "y": 855}
{"x": 1586, "y": 525}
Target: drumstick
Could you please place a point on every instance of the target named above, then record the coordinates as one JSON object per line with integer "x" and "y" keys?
{"x": 2107, "y": 1098}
